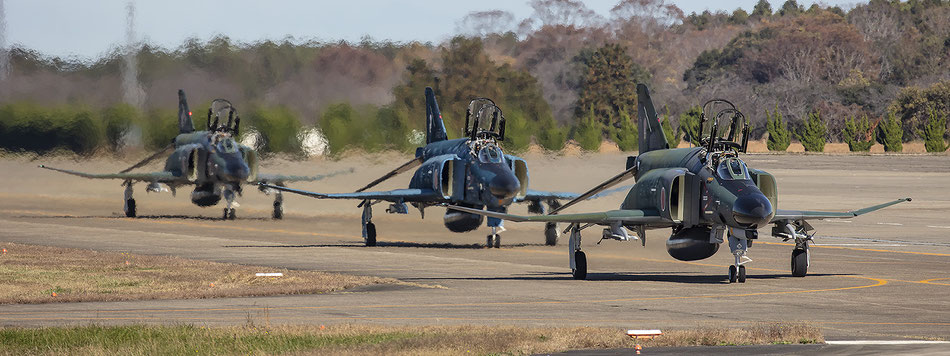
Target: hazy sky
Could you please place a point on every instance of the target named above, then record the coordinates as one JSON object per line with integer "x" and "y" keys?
{"x": 87, "y": 28}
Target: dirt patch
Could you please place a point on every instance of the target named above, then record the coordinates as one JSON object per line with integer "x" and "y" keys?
{"x": 41, "y": 274}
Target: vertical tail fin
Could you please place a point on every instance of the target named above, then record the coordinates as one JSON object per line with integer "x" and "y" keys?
{"x": 435, "y": 128}
{"x": 651, "y": 136}
{"x": 185, "y": 125}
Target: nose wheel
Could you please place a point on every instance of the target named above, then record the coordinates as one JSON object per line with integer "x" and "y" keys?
{"x": 493, "y": 240}
{"x": 230, "y": 214}
{"x": 736, "y": 274}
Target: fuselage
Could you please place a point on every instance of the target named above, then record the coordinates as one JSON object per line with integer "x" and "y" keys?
{"x": 474, "y": 174}
{"x": 213, "y": 161}
{"x": 728, "y": 195}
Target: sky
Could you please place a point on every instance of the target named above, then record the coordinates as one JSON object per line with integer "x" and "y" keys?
{"x": 87, "y": 29}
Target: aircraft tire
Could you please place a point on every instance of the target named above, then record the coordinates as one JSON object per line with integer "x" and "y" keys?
{"x": 370, "y": 234}
{"x": 580, "y": 264}
{"x": 490, "y": 241}
{"x": 230, "y": 214}
{"x": 741, "y": 277}
{"x": 733, "y": 274}
{"x": 278, "y": 211}
{"x": 497, "y": 243}
{"x": 130, "y": 208}
{"x": 799, "y": 263}
{"x": 550, "y": 234}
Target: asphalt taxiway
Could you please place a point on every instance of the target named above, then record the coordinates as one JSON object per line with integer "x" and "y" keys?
{"x": 885, "y": 275}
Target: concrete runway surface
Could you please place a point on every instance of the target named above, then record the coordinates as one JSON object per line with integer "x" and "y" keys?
{"x": 881, "y": 276}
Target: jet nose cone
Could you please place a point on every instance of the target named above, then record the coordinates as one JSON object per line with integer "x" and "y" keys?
{"x": 753, "y": 210}
{"x": 504, "y": 186}
{"x": 238, "y": 172}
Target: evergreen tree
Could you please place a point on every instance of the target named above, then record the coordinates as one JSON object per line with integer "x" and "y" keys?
{"x": 857, "y": 133}
{"x": 890, "y": 133}
{"x": 814, "y": 133}
{"x": 626, "y": 136}
{"x": 589, "y": 132}
{"x": 690, "y": 125}
{"x": 672, "y": 136}
{"x": 779, "y": 135}
{"x": 934, "y": 132}
{"x": 609, "y": 83}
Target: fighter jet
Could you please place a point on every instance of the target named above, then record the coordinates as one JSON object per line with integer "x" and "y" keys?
{"x": 211, "y": 160}
{"x": 700, "y": 192}
{"x": 471, "y": 171}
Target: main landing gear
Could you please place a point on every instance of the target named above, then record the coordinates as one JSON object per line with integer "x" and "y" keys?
{"x": 551, "y": 234}
{"x": 578, "y": 258}
{"x": 278, "y": 206}
{"x": 798, "y": 231}
{"x": 369, "y": 229}
{"x": 129, "y": 206}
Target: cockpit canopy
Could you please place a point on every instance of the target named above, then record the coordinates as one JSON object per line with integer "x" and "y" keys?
{"x": 732, "y": 169}
{"x": 224, "y": 143}
{"x": 490, "y": 154}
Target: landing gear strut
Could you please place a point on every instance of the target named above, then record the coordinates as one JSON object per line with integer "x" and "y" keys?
{"x": 129, "y": 206}
{"x": 369, "y": 229}
{"x": 230, "y": 213}
{"x": 739, "y": 248}
{"x": 578, "y": 258}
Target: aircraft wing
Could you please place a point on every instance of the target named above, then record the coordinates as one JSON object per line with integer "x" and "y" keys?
{"x": 542, "y": 195}
{"x": 637, "y": 216}
{"x": 781, "y": 214}
{"x": 279, "y": 178}
{"x": 397, "y": 195}
{"x": 161, "y": 177}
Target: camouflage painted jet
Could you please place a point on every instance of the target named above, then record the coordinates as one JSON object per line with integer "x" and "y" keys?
{"x": 211, "y": 160}
{"x": 700, "y": 192}
{"x": 471, "y": 171}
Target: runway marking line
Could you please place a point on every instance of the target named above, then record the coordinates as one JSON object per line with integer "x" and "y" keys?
{"x": 931, "y": 281}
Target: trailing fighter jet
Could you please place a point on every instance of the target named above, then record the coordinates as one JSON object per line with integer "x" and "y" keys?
{"x": 211, "y": 160}
{"x": 700, "y": 192}
{"x": 471, "y": 171}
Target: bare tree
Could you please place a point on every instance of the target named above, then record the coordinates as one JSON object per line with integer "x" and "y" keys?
{"x": 483, "y": 23}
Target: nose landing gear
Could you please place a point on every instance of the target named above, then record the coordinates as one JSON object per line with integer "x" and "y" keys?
{"x": 739, "y": 248}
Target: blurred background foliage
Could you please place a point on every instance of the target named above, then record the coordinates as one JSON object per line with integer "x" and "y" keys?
{"x": 557, "y": 78}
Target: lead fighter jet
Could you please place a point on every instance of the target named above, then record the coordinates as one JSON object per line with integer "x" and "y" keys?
{"x": 471, "y": 171}
{"x": 700, "y": 192}
{"x": 211, "y": 160}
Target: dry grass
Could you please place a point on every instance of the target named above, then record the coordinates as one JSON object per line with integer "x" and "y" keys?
{"x": 32, "y": 274}
{"x": 371, "y": 340}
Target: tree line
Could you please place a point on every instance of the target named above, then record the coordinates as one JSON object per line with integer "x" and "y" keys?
{"x": 877, "y": 72}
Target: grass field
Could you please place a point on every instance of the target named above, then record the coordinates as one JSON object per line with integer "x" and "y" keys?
{"x": 40, "y": 274}
{"x": 369, "y": 340}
